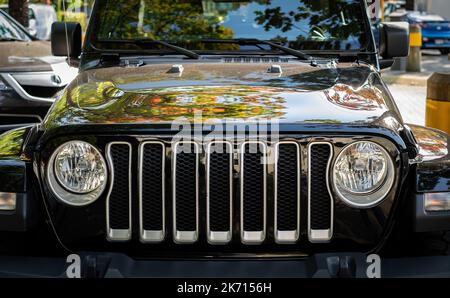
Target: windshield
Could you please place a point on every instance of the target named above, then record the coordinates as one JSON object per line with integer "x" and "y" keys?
{"x": 300, "y": 24}
{"x": 10, "y": 31}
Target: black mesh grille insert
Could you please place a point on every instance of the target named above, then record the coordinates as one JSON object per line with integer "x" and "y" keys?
{"x": 152, "y": 186}
{"x": 253, "y": 188}
{"x": 287, "y": 187}
{"x": 119, "y": 200}
{"x": 219, "y": 188}
{"x": 186, "y": 188}
{"x": 320, "y": 198}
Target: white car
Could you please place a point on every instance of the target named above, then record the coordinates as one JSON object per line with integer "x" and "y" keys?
{"x": 41, "y": 17}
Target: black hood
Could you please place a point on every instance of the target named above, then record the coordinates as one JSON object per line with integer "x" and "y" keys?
{"x": 350, "y": 94}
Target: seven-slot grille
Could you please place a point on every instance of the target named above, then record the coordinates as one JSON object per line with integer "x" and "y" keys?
{"x": 188, "y": 189}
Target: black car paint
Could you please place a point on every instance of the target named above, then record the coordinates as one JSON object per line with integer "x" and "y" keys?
{"x": 87, "y": 224}
{"x": 16, "y": 110}
{"x": 378, "y": 119}
{"x": 375, "y": 117}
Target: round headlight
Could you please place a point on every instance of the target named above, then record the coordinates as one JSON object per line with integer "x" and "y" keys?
{"x": 80, "y": 173}
{"x": 363, "y": 174}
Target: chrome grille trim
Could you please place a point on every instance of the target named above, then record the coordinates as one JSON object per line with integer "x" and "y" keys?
{"x": 286, "y": 237}
{"x": 118, "y": 234}
{"x": 151, "y": 236}
{"x": 218, "y": 237}
{"x": 320, "y": 236}
{"x": 184, "y": 237}
{"x": 252, "y": 237}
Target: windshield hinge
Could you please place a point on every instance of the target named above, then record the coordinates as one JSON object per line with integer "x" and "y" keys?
{"x": 109, "y": 59}
{"x": 134, "y": 63}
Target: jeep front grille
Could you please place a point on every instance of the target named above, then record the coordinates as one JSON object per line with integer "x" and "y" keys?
{"x": 219, "y": 192}
{"x": 185, "y": 192}
{"x": 253, "y": 192}
{"x": 320, "y": 201}
{"x": 152, "y": 184}
{"x": 118, "y": 203}
{"x": 228, "y": 192}
{"x": 287, "y": 192}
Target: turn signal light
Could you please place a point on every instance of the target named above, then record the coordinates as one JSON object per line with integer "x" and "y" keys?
{"x": 437, "y": 201}
{"x": 7, "y": 201}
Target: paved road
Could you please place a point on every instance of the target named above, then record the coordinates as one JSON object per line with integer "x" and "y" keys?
{"x": 410, "y": 96}
{"x": 411, "y": 102}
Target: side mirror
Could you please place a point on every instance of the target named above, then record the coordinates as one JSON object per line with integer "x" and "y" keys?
{"x": 394, "y": 40}
{"x": 66, "y": 39}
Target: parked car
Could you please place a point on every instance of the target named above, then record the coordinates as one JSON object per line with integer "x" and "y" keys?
{"x": 245, "y": 146}
{"x": 392, "y": 6}
{"x": 30, "y": 77}
{"x": 435, "y": 31}
{"x": 40, "y": 18}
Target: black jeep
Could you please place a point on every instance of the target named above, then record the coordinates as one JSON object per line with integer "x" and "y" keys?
{"x": 226, "y": 138}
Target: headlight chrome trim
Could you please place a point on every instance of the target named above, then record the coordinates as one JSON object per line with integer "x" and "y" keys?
{"x": 62, "y": 193}
{"x": 381, "y": 191}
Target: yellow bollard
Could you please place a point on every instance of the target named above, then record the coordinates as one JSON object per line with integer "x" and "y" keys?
{"x": 438, "y": 102}
{"x": 415, "y": 44}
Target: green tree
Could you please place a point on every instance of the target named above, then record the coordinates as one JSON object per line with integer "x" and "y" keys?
{"x": 18, "y": 9}
{"x": 176, "y": 21}
{"x": 326, "y": 28}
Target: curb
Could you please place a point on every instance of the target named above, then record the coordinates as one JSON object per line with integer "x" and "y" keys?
{"x": 406, "y": 79}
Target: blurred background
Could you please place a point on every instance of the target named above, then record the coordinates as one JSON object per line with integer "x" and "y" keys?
{"x": 38, "y": 15}
{"x": 429, "y": 22}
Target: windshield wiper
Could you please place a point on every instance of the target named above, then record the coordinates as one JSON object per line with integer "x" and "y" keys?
{"x": 252, "y": 41}
{"x": 177, "y": 49}
{"x": 144, "y": 42}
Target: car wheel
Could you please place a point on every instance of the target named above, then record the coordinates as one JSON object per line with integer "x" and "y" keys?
{"x": 445, "y": 51}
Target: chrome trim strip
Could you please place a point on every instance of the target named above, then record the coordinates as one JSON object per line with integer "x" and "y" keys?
{"x": 320, "y": 236}
{"x": 286, "y": 237}
{"x": 184, "y": 237}
{"x": 151, "y": 236}
{"x": 253, "y": 237}
{"x": 222, "y": 237}
{"x": 9, "y": 79}
{"x": 40, "y": 78}
{"x": 117, "y": 234}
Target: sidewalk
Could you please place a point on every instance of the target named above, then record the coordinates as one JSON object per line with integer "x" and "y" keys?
{"x": 410, "y": 101}
{"x": 431, "y": 62}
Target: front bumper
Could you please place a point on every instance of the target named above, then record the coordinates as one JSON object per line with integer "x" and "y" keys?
{"x": 110, "y": 265}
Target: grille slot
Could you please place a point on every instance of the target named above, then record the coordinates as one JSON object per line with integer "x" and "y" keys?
{"x": 185, "y": 192}
{"x": 253, "y": 192}
{"x": 118, "y": 202}
{"x": 151, "y": 192}
{"x": 219, "y": 191}
{"x": 287, "y": 192}
{"x": 320, "y": 201}
{"x": 219, "y": 186}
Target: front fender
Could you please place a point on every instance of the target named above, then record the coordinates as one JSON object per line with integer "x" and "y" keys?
{"x": 18, "y": 210}
{"x": 433, "y": 160}
{"x": 432, "y": 180}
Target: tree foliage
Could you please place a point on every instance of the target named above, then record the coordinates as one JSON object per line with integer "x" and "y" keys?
{"x": 18, "y": 9}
